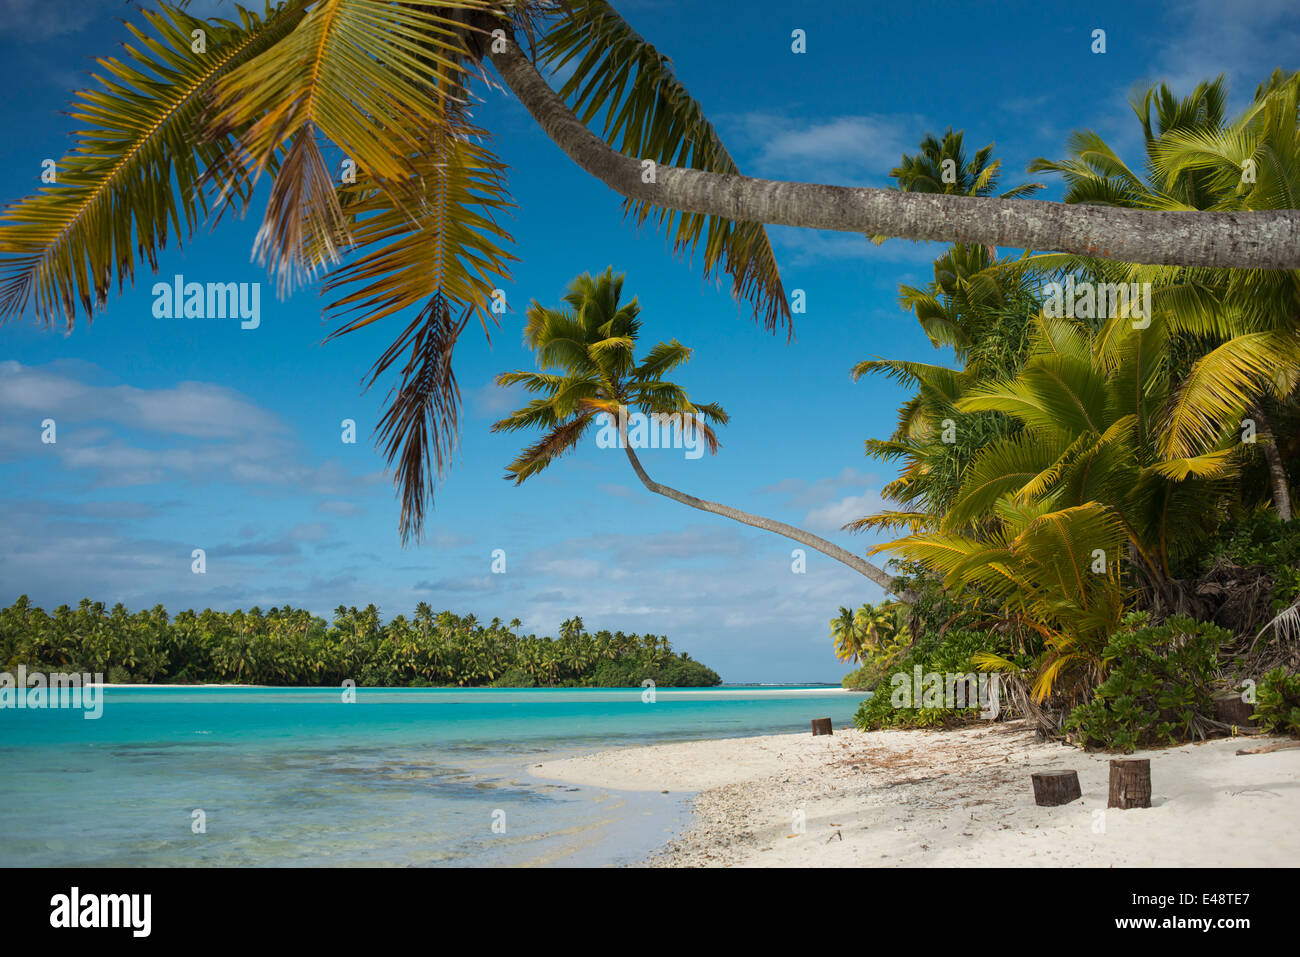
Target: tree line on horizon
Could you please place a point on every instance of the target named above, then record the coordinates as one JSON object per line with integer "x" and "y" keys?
{"x": 292, "y": 647}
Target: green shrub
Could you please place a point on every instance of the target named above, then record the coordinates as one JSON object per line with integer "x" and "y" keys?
{"x": 1259, "y": 538}
{"x": 1277, "y": 707}
{"x": 1159, "y": 690}
{"x": 867, "y": 675}
{"x": 947, "y": 654}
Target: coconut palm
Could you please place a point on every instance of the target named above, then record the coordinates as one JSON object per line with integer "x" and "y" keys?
{"x": 1232, "y": 337}
{"x": 974, "y": 305}
{"x": 878, "y": 625}
{"x": 1045, "y": 518}
{"x": 356, "y": 110}
{"x": 847, "y": 638}
{"x": 591, "y": 378}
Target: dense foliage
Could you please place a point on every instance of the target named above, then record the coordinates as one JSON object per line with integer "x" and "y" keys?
{"x": 1277, "y": 706}
{"x": 1258, "y": 539}
{"x": 290, "y": 646}
{"x": 1104, "y": 492}
{"x": 949, "y": 654}
{"x": 1160, "y": 687}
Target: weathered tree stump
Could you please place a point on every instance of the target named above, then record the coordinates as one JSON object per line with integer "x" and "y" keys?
{"x": 821, "y": 726}
{"x": 1130, "y": 783}
{"x": 1055, "y": 787}
{"x": 1235, "y": 711}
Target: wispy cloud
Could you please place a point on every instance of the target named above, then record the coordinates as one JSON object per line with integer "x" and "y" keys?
{"x": 846, "y": 150}
{"x": 1246, "y": 39}
{"x": 196, "y": 431}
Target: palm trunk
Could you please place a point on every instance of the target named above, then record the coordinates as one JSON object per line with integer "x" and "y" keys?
{"x": 1256, "y": 239}
{"x": 859, "y": 565}
{"x": 1276, "y": 469}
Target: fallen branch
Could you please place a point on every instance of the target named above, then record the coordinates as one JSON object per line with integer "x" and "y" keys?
{"x": 1276, "y": 746}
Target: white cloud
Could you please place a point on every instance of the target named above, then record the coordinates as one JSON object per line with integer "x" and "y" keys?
{"x": 195, "y": 409}
{"x": 1247, "y": 39}
{"x": 836, "y": 515}
{"x": 845, "y": 150}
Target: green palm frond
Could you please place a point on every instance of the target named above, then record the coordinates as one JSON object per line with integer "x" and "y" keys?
{"x": 649, "y": 115}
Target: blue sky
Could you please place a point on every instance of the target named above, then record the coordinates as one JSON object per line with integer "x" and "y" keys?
{"x": 181, "y": 434}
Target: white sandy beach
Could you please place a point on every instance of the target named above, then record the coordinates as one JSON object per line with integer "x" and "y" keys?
{"x": 958, "y": 798}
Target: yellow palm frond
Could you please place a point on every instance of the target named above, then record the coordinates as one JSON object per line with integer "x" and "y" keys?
{"x": 1221, "y": 385}
{"x": 134, "y": 179}
{"x": 370, "y": 77}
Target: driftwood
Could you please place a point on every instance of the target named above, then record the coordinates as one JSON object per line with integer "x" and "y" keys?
{"x": 821, "y": 726}
{"x": 1266, "y": 748}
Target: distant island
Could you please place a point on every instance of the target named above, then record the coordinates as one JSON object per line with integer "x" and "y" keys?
{"x": 291, "y": 646}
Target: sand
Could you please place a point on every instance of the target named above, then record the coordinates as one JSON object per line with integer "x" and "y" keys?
{"x": 956, "y": 798}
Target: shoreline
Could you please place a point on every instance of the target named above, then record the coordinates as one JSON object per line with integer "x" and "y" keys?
{"x": 951, "y": 798}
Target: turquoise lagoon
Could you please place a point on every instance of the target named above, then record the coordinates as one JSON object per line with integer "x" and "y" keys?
{"x": 400, "y": 777}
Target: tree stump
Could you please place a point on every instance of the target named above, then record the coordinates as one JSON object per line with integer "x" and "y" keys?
{"x": 1052, "y": 788}
{"x": 1130, "y": 783}
{"x": 821, "y": 726}
{"x": 1234, "y": 711}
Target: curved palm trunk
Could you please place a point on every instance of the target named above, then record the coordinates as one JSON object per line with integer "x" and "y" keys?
{"x": 1276, "y": 470}
{"x": 1257, "y": 239}
{"x": 859, "y": 565}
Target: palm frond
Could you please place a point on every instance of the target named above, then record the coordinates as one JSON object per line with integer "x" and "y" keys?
{"x": 649, "y": 115}
{"x": 133, "y": 182}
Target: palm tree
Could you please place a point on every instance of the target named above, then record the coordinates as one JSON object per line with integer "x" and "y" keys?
{"x": 181, "y": 130}
{"x": 844, "y": 632}
{"x": 587, "y": 354}
{"x": 1044, "y": 518}
{"x": 1237, "y": 332}
{"x": 877, "y": 625}
{"x": 977, "y": 307}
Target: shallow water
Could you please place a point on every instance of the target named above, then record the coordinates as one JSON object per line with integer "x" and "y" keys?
{"x": 400, "y": 777}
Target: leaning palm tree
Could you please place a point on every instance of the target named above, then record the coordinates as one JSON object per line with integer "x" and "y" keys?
{"x": 356, "y": 110}
{"x": 590, "y": 378}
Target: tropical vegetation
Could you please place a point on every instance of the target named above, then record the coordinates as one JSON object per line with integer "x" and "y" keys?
{"x": 1105, "y": 493}
{"x": 290, "y": 646}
